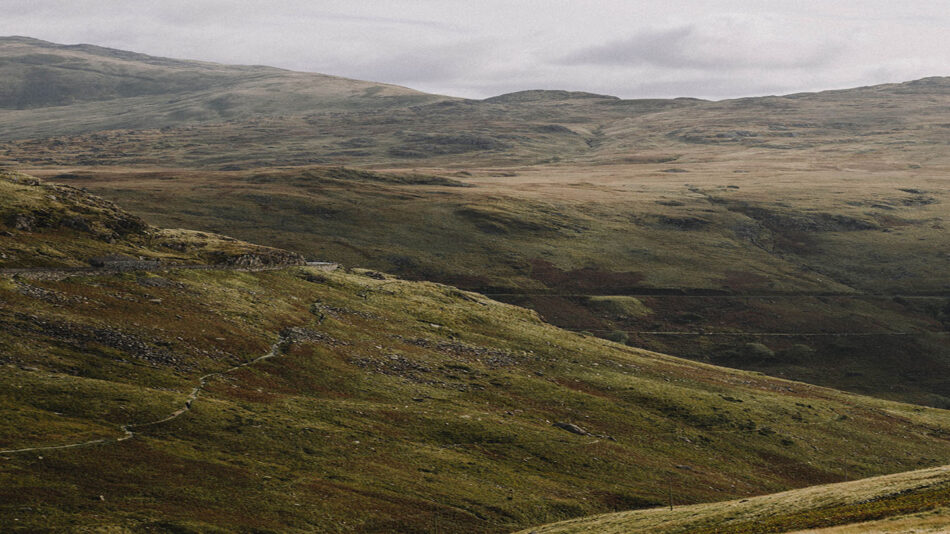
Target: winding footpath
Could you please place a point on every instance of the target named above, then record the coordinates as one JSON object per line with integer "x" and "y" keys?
{"x": 127, "y": 433}
{"x": 127, "y": 430}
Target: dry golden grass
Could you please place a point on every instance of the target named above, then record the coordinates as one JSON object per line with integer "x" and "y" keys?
{"x": 906, "y": 502}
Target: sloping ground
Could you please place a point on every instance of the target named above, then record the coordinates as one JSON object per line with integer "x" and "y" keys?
{"x": 371, "y": 404}
{"x": 836, "y": 277}
{"x": 395, "y": 406}
{"x": 934, "y": 521}
{"x": 86, "y": 105}
{"x": 48, "y": 89}
{"x": 916, "y": 501}
{"x": 47, "y": 225}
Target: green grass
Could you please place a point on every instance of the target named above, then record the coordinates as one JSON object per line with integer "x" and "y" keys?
{"x": 46, "y": 225}
{"x": 393, "y": 406}
{"x": 413, "y": 407}
{"x": 565, "y": 242}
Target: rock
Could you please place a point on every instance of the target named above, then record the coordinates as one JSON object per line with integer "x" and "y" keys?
{"x": 572, "y": 428}
{"x": 22, "y": 221}
{"x": 76, "y": 223}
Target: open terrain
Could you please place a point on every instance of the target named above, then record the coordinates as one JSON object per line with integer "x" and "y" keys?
{"x": 162, "y": 376}
{"x": 382, "y": 405}
{"x": 801, "y": 235}
{"x": 838, "y": 282}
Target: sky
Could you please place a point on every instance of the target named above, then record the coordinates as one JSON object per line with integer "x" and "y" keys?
{"x": 629, "y": 48}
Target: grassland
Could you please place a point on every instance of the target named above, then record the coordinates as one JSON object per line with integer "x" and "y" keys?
{"x": 400, "y": 406}
{"x": 392, "y": 406}
{"x": 915, "y": 501}
{"x": 840, "y": 275}
{"x": 800, "y": 235}
{"x": 48, "y": 225}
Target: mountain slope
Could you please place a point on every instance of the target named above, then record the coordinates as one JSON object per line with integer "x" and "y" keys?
{"x": 51, "y": 89}
{"x": 55, "y": 226}
{"x": 828, "y": 276}
{"x": 148, "y": 110}
{"x": 385, "y": 405}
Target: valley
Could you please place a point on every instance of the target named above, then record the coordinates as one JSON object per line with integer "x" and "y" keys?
{"x": 549, "y": 304}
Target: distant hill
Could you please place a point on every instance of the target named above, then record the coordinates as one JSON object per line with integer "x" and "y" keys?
{"x": 147, "y": 110}
{"x": 106, "y": 88}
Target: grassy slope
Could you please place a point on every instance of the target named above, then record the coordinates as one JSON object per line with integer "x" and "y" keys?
{"x": 571, "y": 232}
{"x": 48, "y": 225}
{"x": 50, "y": 89}
{"x": 393, "y": 406}
{"x": 800, "y": 195}
{"x": 405, "y": 407}
{"x": 915, "y": 501}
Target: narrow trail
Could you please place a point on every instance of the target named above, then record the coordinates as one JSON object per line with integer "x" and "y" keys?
{"x": 127, "y": 430}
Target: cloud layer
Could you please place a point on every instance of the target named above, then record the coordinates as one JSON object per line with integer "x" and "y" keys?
{"x": 647, "y": 48}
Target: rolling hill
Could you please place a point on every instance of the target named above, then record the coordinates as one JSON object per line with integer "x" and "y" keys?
{"x": 235, "y": 399}
{"x": 51, "y": 89}
{"x": 799, "y": 235}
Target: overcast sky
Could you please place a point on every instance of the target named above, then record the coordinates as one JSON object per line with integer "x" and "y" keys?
{"x": 629, "y": 48}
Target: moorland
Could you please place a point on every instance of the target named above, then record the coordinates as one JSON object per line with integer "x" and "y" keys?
{"x": 802, "y": 235}
{"x": 543, "y": 252}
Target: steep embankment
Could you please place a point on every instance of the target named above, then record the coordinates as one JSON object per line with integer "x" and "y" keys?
{"x": 394, "y": 406}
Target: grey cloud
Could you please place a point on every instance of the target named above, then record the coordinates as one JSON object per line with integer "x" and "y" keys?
{"x": 690, "y": 47}
{"x": 693, "y": 48}
{"x": 665, "y": 47}
{"x": 418, "y": 66}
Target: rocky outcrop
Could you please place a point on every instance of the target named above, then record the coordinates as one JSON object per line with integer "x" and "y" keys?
{"x": 266, "y": 257}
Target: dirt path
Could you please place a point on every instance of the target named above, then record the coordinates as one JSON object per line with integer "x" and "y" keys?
{"x": 127, "y": 430}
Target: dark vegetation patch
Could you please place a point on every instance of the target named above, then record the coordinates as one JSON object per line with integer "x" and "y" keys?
{"x": 346, "y": 174}
{"x": 592, "y": 279}
{"x": 501, "y": 219}
{"x": 554, "y": 129}
{"x": 428, "y": 145}
{"x": 785, "y": 222}
{"x": 744, "y": 281}
{"x": 683, "y": 223}
{"x": 647, "y": 159}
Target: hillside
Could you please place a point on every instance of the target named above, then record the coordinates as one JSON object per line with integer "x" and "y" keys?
{"x": 296, "y": 400}
{"x": 80, "y": 104}
{"x": 51, "y": 89}
{"x": 830, "y": 276}
{"x": 55, "y": 226}
{"x": 800, "y": 235}
{"x": 916, "y": 501}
